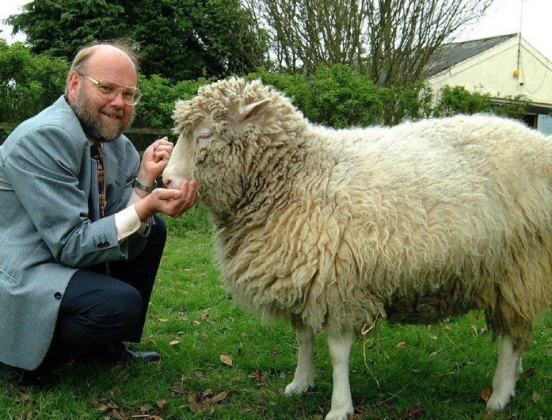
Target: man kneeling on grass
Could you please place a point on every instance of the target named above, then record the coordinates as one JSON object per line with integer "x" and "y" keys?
{"x": 79, "y": 225}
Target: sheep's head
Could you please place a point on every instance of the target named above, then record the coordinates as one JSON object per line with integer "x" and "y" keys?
{"x": 214, "y": 130}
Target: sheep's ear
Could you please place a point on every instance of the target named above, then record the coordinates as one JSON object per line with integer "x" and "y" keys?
{"x": 252, "y": 111}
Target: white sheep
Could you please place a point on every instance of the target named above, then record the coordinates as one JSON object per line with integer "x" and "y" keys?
{"x": 333, "y": 229}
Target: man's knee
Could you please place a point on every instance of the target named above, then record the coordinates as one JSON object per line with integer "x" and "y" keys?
{"x": 98, "y": 308}
{"x": 121, "y": 308}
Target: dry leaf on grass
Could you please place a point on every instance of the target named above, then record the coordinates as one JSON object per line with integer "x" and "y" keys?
{"x": 486, "y": 394}
{"x": 117, "y": 414}
{"x": 531, "y": 372}
{"x": 259, "y": 378}
{"x": 227, "y": 359}
{"x": 110, "y": 409}
{"x": 216, "y": 399}
{"x": 414, "y": 412}
{"x": 198, "y": 400}
{"x": 23, "y": 397}
{"x": 195, "y": 399}
{"x": 178, "y": 390}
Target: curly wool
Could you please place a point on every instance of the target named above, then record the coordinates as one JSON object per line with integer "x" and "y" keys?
{"x": 340, "y": 227}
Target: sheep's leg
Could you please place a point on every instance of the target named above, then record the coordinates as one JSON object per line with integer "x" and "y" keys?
{"x": 340, "y": 349}
{"x": 507, "y": 370}
{"x": 304, "y": 374}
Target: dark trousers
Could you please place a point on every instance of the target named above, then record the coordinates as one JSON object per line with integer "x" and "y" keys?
{"x": 97, "y": 309}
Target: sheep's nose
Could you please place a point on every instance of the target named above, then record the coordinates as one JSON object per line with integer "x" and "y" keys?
{"x": 167, "y": 183}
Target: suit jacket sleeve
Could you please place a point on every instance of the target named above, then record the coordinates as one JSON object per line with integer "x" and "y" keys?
{"x": 45, "y": 170}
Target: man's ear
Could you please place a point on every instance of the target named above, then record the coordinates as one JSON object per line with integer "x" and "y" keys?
{"x": 252, "y": 111}
{"x": 73, "y": 82}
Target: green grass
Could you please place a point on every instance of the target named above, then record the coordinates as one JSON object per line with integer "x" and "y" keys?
{"x": 192, "y": 322}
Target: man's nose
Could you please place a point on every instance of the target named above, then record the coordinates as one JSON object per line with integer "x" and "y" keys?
{"x": 119, "y": 99}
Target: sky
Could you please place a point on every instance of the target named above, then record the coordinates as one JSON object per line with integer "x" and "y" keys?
{"x": 7, "y": 8}
{"x": 531, "y": 17}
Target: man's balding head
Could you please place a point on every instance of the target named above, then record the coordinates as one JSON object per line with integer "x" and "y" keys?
{"x": 98, "y": 52}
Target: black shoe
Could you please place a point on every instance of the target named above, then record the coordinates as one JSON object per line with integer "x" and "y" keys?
{"x": 5, "y": 369}
{"x": 37, "y": 377}
{"x": 117, "y": 352}
{"x": 9, "y": 372}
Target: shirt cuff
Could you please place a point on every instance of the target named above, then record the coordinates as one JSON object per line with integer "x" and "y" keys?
{"x": 128, "y": 222}
{"x": 134, "y": 198}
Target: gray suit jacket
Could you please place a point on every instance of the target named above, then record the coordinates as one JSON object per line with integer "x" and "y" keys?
{"x": 49, "y": 224}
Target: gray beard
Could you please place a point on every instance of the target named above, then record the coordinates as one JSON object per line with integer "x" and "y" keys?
{"x": 92, "y": 125}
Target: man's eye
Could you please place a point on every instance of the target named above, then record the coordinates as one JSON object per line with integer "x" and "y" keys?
{"x": 129, "y": 95}
{"x": 106, "y": 88}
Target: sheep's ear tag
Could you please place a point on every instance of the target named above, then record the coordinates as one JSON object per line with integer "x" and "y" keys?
{"x": 253, "y": 110}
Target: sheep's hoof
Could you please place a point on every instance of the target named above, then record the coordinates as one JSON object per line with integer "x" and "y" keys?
{"x": 297, "y": 388}
{"x": 340, "y": 414}
{"x": 499, "y": 402}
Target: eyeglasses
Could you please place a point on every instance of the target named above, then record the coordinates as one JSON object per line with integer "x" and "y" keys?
{"x": 109, "y": 90}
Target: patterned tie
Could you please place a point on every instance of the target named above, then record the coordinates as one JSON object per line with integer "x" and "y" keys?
{"x": 96, "y": 152}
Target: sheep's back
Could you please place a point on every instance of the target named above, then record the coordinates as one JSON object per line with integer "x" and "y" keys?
{"x": 424, "y": 210}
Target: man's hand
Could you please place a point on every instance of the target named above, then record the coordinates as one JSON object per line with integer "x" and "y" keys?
{"x": 167, "y": 201}
{"x": 154, "y": 161}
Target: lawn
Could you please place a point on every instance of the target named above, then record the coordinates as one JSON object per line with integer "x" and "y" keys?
{"x": 220, "y": 362}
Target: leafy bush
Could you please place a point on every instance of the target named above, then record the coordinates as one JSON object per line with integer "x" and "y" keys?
{"x": 407, "y": 103}
{"x": 335, "y": 96}
{"x": 28, "y": 82}
{"x": 157, "y": 105}
{"x": 339, "y": 97}
{"x": 458, "y": 100}
{"x": 343, "y": 98}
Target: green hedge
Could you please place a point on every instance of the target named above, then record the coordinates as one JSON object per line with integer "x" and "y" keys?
{"x": 335, "y": 96}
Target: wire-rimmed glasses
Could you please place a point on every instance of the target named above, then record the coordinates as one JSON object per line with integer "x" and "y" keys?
{"x": 109, "y": 90}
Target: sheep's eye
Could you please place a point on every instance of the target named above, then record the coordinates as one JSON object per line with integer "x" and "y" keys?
{"x": 203, "y": 136}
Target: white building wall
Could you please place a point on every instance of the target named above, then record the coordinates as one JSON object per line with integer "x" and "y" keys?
{"x": 535, "y": 76}
{"x": 492, "y": 72}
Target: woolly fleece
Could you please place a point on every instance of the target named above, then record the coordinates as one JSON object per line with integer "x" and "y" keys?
{"x": 340, "y": 227}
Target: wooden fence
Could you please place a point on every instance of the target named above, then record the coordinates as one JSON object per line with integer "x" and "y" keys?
{"x": 140, "y": 137}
